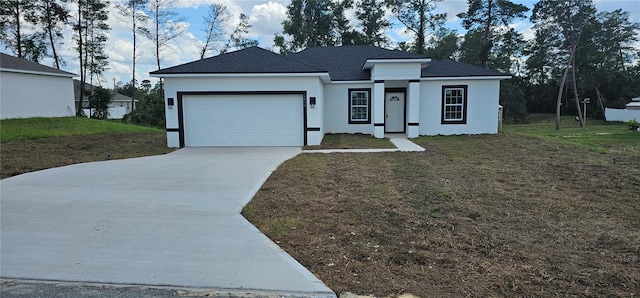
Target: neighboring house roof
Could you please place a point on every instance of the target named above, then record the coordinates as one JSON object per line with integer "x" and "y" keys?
{"x": 345, "y": 63}
{"x": 450, "y": 68}
{"x": 87, "y": 86}
{"x": 249, "y": 60}
{"x": 14, "y": 64}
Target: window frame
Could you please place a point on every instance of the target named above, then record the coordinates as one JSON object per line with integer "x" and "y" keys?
{"x": 351, "y": 106}
{"x": 464, "y": 104}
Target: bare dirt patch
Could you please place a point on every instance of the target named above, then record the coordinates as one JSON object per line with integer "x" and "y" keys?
{"x": 477, "y": 216}
{"x": 24, "y": 156}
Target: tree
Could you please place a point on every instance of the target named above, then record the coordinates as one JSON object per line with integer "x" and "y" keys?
{"x": 237, "y": 40}
{"x": 90, "y": 36}
{"x": 567, "y": 18}
{"x": 370, "y": 14}
{"x": 443, "y": 44}
{"x": 133, "y": 12}
{"x": 487, "y": 17}
{"x": 418, "y": 16}
{"x": 214, "y": 27}
{"x": 164, "y": 26}
{"x": 53, "y": 18}
{"x": 311, "y": 23}
{"x": 603, "y": 64}
{"x": 16, "y": 18}
{"x": 99, "y": 100}
{"x": 150, "y": 110}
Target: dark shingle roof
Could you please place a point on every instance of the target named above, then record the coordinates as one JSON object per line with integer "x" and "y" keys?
{"x": 249, "y": 60}
{"x": 20, "y": 64}
{"x": 345, "y": 63}
{"x": 450, "y": 68}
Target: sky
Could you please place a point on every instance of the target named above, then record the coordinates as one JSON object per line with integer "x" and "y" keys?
{"x": 265, "y": 16}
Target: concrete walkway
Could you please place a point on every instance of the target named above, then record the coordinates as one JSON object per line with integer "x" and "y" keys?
{"x": 170, "y": 220}
{"x": 402, "y": 143}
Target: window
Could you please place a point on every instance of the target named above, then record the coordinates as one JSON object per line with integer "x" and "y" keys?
{"x": 454, "y": 104}
{"x": 359, "y": 106}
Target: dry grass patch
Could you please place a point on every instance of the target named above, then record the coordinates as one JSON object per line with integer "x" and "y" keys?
{"x": 479, "y": 216}
{"x": 351, "y": 141}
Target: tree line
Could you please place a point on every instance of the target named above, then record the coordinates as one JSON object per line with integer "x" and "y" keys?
{"x": 576, "y": 52}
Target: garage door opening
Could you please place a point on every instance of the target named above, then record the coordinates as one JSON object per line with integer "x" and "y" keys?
{"x": 243, "y": 120}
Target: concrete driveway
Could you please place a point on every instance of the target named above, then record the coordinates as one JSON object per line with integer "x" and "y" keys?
{"x": 170, "y": 220}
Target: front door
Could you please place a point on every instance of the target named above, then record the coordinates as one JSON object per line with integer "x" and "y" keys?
{"x": 394, "y": 112}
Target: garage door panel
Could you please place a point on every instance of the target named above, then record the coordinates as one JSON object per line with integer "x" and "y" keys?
{"x": 243, "y": 120}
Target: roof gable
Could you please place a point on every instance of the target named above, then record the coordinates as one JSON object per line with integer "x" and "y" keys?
{"x": 249, "y": 60}
{"x": 450, "y": 68}
{"x": 11, "y": 63}
{"x": 345, "y": 63}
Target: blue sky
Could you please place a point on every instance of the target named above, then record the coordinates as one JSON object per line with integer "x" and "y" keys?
{"x": 266, "y": 17}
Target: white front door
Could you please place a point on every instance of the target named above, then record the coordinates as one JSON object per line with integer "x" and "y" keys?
{"x": 394, "y": 110}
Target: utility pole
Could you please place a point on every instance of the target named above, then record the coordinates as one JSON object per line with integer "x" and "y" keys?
{"x": 584, "y": 110}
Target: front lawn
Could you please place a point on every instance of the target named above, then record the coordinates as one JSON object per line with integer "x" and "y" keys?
{"x": 37, "y": 128}
{"x": 41, "y": 143}
{"x": 519, "y": 214}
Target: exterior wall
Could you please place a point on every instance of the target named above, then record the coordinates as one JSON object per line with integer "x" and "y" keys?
{"x": 622, "y": 114}
{"x": 395, "y": 71}
{"x": 31, "y": 95}
{"x": 482, "y": 107}
{"x": 336, "y": 112}
{"x": 312, "y": 85}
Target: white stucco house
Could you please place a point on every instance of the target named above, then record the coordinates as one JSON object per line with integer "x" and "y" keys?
{"x": 29, "y": 89}
{"x": 119, "y": 106}
{"x": 254, "y": 97}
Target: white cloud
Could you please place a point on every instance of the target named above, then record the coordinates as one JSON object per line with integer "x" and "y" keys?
{"x": 266, "y": 20}
{"x": 452, "y": 8}
{"x": 524, "y": 27}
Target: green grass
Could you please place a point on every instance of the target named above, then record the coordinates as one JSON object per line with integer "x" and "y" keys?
{"x": 38, "y": 128}
{"x": 598, "y": 135}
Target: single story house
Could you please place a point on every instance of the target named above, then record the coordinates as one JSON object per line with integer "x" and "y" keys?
{"x": 254, "y": 97}
{"x": 29, "y": 89}
{"x": 118, "y": 107}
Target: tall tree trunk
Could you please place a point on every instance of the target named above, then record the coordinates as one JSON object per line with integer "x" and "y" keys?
{"x": 80, "y": 57}
{"x": 562, "y": 82}
{"x": 575, "y": 85}
{"x": 18, "y": 32}
{"x": 133, "y": 80}
{"x": 56, "y": 59}
{"x": 485, "y": 44}
{"x": 420, "y": 37}
{"x": 157, "y": 21}
{"x": 604, "y": 111}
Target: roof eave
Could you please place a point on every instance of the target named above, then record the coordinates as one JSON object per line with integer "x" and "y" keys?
{"x": 66, "y": 74}
{"x": 369, "y": 63}
{"x": 247, "y": 74}
{"x": 477, "y": 77}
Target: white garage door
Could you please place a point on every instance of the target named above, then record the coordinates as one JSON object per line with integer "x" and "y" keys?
{"x": 243, "y": 120}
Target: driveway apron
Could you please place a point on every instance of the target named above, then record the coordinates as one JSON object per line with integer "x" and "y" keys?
{"x": 170, "y": 220}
